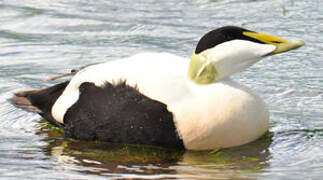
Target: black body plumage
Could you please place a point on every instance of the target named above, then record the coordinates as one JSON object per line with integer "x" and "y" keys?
{"x": 120, "y": 114}
{"x": 112, "y": 113}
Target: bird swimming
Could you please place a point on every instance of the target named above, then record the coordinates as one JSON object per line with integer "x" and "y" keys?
{"x": 161, "y": 99}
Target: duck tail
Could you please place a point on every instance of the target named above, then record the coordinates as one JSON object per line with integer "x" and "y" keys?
{"x": 40, "y": 101}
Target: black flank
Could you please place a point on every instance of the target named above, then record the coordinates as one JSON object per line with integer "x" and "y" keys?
{"x": 120, "y": 114}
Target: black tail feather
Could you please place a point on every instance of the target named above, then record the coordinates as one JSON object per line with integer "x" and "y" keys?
{"x": 40, "y": 101}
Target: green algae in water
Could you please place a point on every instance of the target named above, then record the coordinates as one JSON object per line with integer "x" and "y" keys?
{"x": 51, "y": 130}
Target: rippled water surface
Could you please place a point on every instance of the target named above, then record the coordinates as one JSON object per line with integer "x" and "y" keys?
{"x": 41, "y": 38}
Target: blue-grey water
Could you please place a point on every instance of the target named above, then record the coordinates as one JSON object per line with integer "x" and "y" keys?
{"x": 41, "y": 38}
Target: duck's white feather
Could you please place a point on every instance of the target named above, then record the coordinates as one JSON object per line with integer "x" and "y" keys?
{"x": 220, "y": 114}
{"x": 146, "y": 71}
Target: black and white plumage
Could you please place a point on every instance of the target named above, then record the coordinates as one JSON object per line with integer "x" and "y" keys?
{"x": 164, "y": 100}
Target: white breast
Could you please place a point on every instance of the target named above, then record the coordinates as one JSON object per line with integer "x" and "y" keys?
{"x": 223, "y": 114}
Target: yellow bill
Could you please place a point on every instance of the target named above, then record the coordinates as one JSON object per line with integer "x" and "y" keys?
{"x": 282, "y": 45}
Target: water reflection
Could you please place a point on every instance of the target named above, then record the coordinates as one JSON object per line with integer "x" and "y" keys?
{"x": 117, "y": 160}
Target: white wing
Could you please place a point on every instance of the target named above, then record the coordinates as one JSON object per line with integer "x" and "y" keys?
{"x": 160, "y": 76}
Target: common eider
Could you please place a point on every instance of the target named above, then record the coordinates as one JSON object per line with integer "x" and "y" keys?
{"x": 161, "y": 99}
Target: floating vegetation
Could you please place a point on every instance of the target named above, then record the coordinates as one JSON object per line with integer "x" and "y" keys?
{"x": 51, "y": 130}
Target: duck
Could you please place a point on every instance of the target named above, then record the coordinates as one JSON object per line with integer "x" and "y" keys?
{"x": 164, "y": 100}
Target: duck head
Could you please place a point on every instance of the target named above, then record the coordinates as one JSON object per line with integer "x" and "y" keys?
{"x": 231, "y": 49}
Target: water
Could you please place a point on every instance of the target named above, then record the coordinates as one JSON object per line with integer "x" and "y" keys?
{"x": 41, "y": 38}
